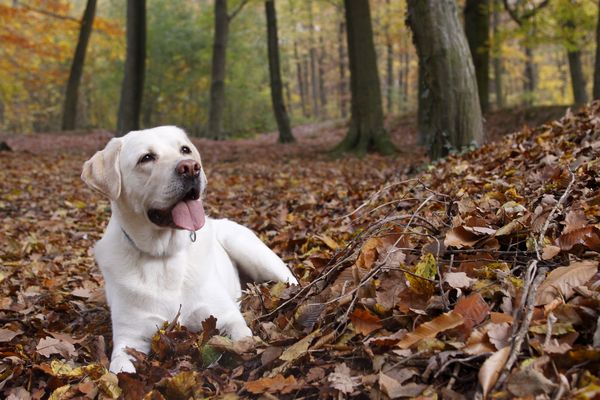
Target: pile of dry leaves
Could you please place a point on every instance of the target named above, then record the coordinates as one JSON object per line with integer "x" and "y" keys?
{"x": 476, "y": 277}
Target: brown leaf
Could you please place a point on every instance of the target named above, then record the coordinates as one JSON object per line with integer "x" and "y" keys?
{"x": 588, "y": 237}
{"x": 6, "y": 335}
{"x": 394, "y": 389}
{"x": 491, "y": 369}
{"x": 458, "y": 280}
{"x": 430, "y": 329}
{"x": 474, "y": 310}
{"x": 561, "y": 281}
{"x": 460, "y": 238}
{"x": 276, "y": 384}
{"x": 48, "y": 346}
{"x": 574, "y": 220}
{"x": 341, "y": 380}
{"x": 364, "y": 321}
{"x": 529, "y": 382}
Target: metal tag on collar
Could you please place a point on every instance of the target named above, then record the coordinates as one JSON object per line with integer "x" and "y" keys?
{"x": 193, "y": 236}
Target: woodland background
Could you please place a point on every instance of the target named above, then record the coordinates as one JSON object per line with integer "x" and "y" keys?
{"x": 462, "y": 264}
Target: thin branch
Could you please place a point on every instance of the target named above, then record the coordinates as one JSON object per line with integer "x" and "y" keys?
{"x": 50, "y": 14}
{"x": 520, "y": 19}
{"x": 237, "y": 10}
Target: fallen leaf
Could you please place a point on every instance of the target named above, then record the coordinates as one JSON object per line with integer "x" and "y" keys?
{"x": 6, "y": 335}
{"x": 562, "y": 281}
{"x": 299, "y": 348}
{"x": 430, "y": 329}
{"x": 341, "y": 380}
{"x": 48, "y": 346}
{"x": 473, "y": 309}
{"x": 458, "y": 280}
{"x": 394, "y": 389}
{"x": 364, "y": 321}
{"x": 491, "y": 369}
{"x": 276, "y": 384}
{"x": 529, "y": 382}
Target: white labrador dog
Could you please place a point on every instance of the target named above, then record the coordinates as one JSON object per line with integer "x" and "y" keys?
{"x": 151, "y": 265}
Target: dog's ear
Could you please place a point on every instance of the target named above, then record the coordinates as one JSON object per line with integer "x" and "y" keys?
{"x": 101, "y": 172}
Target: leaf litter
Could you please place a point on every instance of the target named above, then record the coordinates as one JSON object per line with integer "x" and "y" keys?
{"x": 477, "y": 275}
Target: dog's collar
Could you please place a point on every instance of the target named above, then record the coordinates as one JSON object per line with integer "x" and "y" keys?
{"x": 130, "y": 240}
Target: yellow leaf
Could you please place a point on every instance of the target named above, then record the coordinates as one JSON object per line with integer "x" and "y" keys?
{"x": 426, "y": 268}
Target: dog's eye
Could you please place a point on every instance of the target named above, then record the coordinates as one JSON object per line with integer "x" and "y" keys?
{"x": 147, "y": 158}
{"x": 185, "y": 150}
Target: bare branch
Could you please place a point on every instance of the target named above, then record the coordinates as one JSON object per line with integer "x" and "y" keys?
{"x": 520, "y": 19}
{"x": 237, "y": 10}
{"x": 50, "y": 14}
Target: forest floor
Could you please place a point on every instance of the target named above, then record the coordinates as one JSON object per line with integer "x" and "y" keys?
{"x": 474, "y": 276}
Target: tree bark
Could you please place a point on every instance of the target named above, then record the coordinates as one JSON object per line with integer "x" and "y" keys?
{"x": 575, "y": 67}
{"x": 342, "y": 70}
{"x": 477, "y": 27}
{"x": 314, "y": 68}
{"x": 366, "y": 131}
{"x": 597, "y": 62}
{"x": 529, "y": 83}
{"x": 322, "y": 91}
{"x": 283, "y": 121}
{"x": 217, "y": 85}
{"x": 300, "y": 78}
{"x": 72, "y": 92}
{"x": 133, "y": 81}
{"x": 389, "y": 53}
{"x": 449, "y": 96}
{"x": 497, "y": 58}
{"x": 577, "y": 77}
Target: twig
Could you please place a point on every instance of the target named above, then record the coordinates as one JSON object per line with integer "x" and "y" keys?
{"x": 562, "y": 199}
{"x": 535, "y": 277}
{"x": 375, "y": 195}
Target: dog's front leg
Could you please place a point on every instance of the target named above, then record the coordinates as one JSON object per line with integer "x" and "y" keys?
{"x": 251, "y": 254}
{"x": 134, "y": 333}
{"x": 229, "y": 318}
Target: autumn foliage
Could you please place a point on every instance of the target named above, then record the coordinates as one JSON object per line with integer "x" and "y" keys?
{"x": 477, "y": 274}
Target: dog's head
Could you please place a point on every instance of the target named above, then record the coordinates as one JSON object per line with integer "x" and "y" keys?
{"x": 155, "y": 172}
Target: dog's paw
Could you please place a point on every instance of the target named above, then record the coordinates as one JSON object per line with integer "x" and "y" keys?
{"x": 121, "y": 363}
{"x": 240, "y": 332}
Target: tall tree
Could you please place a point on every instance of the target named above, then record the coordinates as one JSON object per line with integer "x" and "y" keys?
{"x": 522, "y": 12}
{"x": 477, "y": 30}
{"x": 342, "y": 69}
{"x": 573, "y": 46}
{"x": 219, "y": 56}
{"x": 133, "y": 81}
{"x": 449, "y": 104}
{"x": 389, "y": 60}
{"x": 366, "y": 131}
{"x": 597, "y": 61}
{"x": 497, "y": 57}
{"x": 72, "y": 92}
{"x": 283, "y": 121}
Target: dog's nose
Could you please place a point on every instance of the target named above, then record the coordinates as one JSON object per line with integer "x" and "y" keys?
{"x": 188, "y": 168}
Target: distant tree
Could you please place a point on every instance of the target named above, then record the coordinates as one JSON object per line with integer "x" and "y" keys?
{"x": 522, "y": 12}
{"x": 477, "y": 31}
{"x": 597, "y": 61}
{"x": 72, "y": 92}
{"x": 450, "y": 116}
{"x": 366, "y": 131}
{"x": 219, "y": 56}
{"x": 283, "y": 120}
{"x": 575, "y": 66}
{"x": 496, "y": 55}
{"x": 133, "y": 81}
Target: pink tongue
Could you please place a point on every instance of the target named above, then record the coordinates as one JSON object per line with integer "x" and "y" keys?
{"x": 189, "y": 215}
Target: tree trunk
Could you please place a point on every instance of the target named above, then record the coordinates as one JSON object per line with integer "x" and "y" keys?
{"x": 577, "y": 77}
{"x": 529, "y": 83}
{"x": 70, "y": 110}
{"x": 283, "y": 121}
{"x": 322, "y": 92}
{"x": 217, "y": 85}
{"x": 366, "y": 131}
{"x": 452, "y": 116}
{"x": 342, "y": 70}
{"x": 497, "y": 58}
{"x": 300, "y": 78}
{"x": 133, "y": 81}
{"x": 597, "y": 62}
{"x": 314, "y": 68}
{"x": 389, "y": 46}
{"x": 477, "y": 26}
